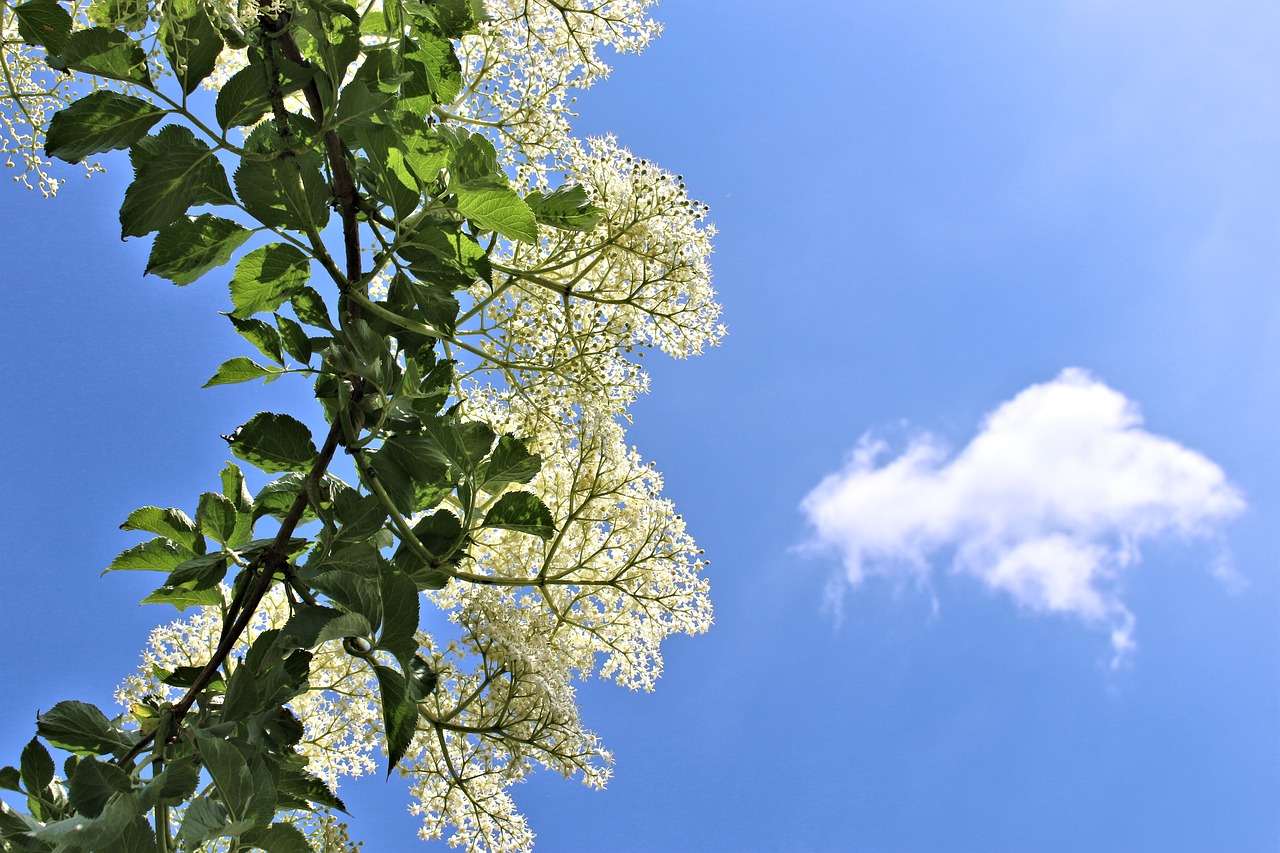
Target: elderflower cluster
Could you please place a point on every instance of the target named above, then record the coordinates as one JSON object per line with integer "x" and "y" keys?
{"x": 521, "y": 70}
{"x": 30, "y": 93}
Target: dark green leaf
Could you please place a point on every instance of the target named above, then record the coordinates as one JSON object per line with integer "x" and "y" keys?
{"x": 80, "y": 728}
{"x": 281, "y": 838}
{"x": 400, "y": 615}
{"x": 179, "y": 781}
{"x": 44, "y": 23}
{"x": 351, "y": 591}
{"x": 100, "y": 121}
{"x": 155, "y": 555}
{"x": 204, "y": 819}
{"x": 191, "y": 42}
{"x": 216, "y": 517}
{"x": 441, "y": 535}
{"x": 294, "y": 339}
{"x": 521, "y": 511}
{"x": 399, "y": 713}
{"x": 173, "y": 171}
{"x": 304, "y": 788}
{"x": 170, "y": 523}
{"x": 261, "y": 335}
{"x": 509, "y": 463}
{"x": 274, "y": 443}
{"x": 229, "y": 771}
{"x": 288, "y": 192}
{"x": 310, "y": 308}
{"x": 241, "y": 698}
{"x": 242, "y": 100}
{"x": 277, "y": 497}
{"x": 360, "y": 517}
{"x": 436, "y": 74}
{"x": 187, "y": 248}
{"x": 461, "y": 445}
{"x": 105, "y": 53}
{"x": 36, "y": 767}
{"x": 92, "y": 785}
{"x": 422, "y": 679}
{"x": 267, "y": 277}
{"x": 410, "y": 477}
{"x": 204, "y": 572}
{"x": 10, "y": 779}
{"x": 137, "y": 836}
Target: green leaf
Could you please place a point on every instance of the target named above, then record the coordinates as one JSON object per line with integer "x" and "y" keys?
{"x": 191, "y": 42}
{"x": 173, "y": 524}
{"x": 241, "y": 699}
{"x": 277, "y": 497}
{"x": 315, "y": 624}
{"x": 204, "y": 572}
{"x": 267, "y": 277}
{"x": 441, "y": 535}
{"x": 310, "y": 308}
{"x": 204, "y": 819}
{"x": 236, "y": 491}
{"x": 461, "y": 445}
{"x": 104, "y": 53}
{"x": 36, "y": 767}
{"x": 179, "y": 781}
{"x": 230, "y": 773}
{"x": 80, "y": 728}
{"x": 288, "y": 192}
{"x": 183, "y": 597}
{"x": 263, "y": 336}
{"x": 187, "y": 248}
{"x": 10, "y": 779}
{"x": 360, "y": 516}
{"x": 509, "y": 463}
{"x": 521, "y": 511}
{"x": 100, "y": 121}
{"x": 130, "y": 15}
{"x": 354, "y": 593}
{"x": 173, "y": 171}
{"x": 437, "y": 74}
{"x": 422, "y": 679}
{"x": 304, "y": 788}
{"x": 435, "y": 251}
{"x": 241, "y": 369}
{"x": 412, "y": 479}
{"x": 154, "y": 555}
{"x": 399, "y": 615}
{"x": 399, "y": 713}
{"x": 281, "y": 838}
{"x": 93, "y": 783}
{"x": 294, "y": 339}
{"x": 216, "y": 517}
{"x": 500, "y": 210}
{"x": 566, "y": 207}
{"x": 274, "y": 443}
{"x": 44, "y": 23}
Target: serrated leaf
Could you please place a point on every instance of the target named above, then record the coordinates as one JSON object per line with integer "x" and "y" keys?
{"x": 173, "y": 524}
{"x": 285, "y": 193}
{"x": 509, "y": 463}
{"x": 173, "y": 171}
{"x": 44, "y": 23}
{"x": 567, "y": 207}
{"x": 154, "y": 555}
{"x": 188, "y": 247}
{"x": 230, "y": 773}
{"x": 100, "y": 121}
{"x": 204, "y": 819}
{"x": 274, "y": 443}
{"x": 294, "y": 339}
{"x": 10, "y": 779}
{"x": 204, "y": 572}
{"x": 411, "y": 478}
{"x": 104, "y": 53}
{"x": 400, "y": 613}
{"x": 80, "y": 728}
{"x": 523, "y": 512}
{"x": 179, "y": 781}
{"x": 182, "y": 597}
{"x": 190, "y": 40}
{"x": 296, "y": 783}
{"x": 281, "y": 838}
{"x": 216, "y": 517}
{"x": 241, "y": 369}
{"x": 267, "y": 277}
{"x": 93, "y": 783}
{"x": 399, "y": 713}
{"x": 263, "y": 336}
{"x": 498, "y": 209}
{"x": 36, "y": 767}
{"x": 310, "y": 308}
{"x": 352, "y": 592}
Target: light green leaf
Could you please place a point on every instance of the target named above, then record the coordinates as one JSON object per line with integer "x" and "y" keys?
{"x": 155, "y": 555}
{"x": 188, "y": 247}
{"x": 173, "y": 524}
{"x": 80, "y": 728}
{"x": 566, "y": 207}
{"x": 498, "y": 209}
{"x": 261, "y": 335}
{"x": 173, "y": 171}
{"x": 267, "y": 277}
{"x": 241, "y": 369}
{"x": 100, "y": 121}
{"x": 509, "y": 463}
{"x": 182, "y": 597}
{"x": 216, "y": 517}
{"x": 191, "y": 42}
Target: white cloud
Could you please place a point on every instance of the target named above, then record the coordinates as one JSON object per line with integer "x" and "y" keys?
{"x": 1048, "y": 503}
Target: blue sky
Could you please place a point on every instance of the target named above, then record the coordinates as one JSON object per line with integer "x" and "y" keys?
{"x": 926, "y": 210}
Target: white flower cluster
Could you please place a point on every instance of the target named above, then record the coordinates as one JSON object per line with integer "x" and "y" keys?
{"x": 30, "y": 93}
